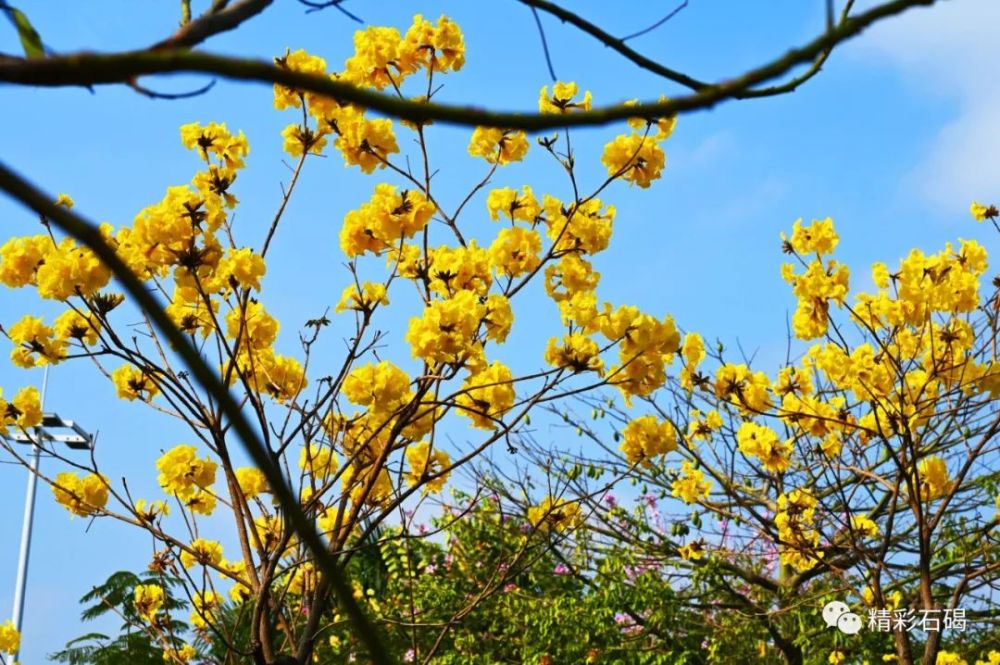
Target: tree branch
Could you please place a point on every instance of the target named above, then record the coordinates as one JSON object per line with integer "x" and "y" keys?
{"x": 89, "y": 68}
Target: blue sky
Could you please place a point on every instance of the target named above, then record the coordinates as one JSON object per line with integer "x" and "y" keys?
{"x": 892, "y": 139}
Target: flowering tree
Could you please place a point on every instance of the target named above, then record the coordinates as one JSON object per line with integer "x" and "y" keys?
{"x": 864, "y": 470}
{"x": 344, "y": 455}
{"x": 361, "y": 443}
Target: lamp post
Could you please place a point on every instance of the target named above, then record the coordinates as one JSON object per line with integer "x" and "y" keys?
{"x": 75, "y": 438}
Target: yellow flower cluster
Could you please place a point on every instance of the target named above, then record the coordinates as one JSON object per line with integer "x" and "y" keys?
{"x": 762, "y": 442}
{"x": 637, "y": 157}
{"x": 487, "y": 395}
{"x": 645, "y": 347}
{"x": 562, "y": 99}
{"x": 820, "y": 283}
{"x": 647, "y": 437}
{"x": 148, "y": 601}
{"x": 10, "y": 639}
{"x": 447, "y": 332}
{"x": 749, "y": 391}
{"x": 24, "y": 410}
{"x": 81, "y": 496}
{"x": 794, "y": 520}
{"x": 35, "y": 344}
{"x": 426, "y": 462}
{"x": 702, "y": 426}
{"x": 205, "y": 603}
{"x": 555, "y": 514}
{"x": 498, "y": 146}
{"x": 132, "y": 383}
{"x": 254, "y": 331}
{"x": 58, "y": 270}
{"x": 387, "y": 218}
{"x": 935, "y": 481}
{"x": 183, "y": 474}
{"x": 382, "y": 58}
{"x": 691, "y": 485}
{"x": 251, "y": 481}
{"x": 204, "y": 552}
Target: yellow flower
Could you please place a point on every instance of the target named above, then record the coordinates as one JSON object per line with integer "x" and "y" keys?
{"x": 243, "y": 267}
{"x": 555, "y": 514}
{"x": 487, "y": 395}
{"x": 182, "y": 473}
{"x": 425, "y": 463}
{"x": 318, "y": 461}
{"x": 836, "y": 657}
{"x": 576, "y": 352}
{"x": 516, "y": 206}
{"x": 571, "y": 274}
{"x": 498, "y": 146}
{"x": 383, "y": 387}
{"x": 149, "y": 511}
{"x": 647, "y": 437}
{"x": 691, "y": 485}
{"x": 692, "y": 551}
{"x": 34, "y": 343}
{"x": 446, "y": 331}
{"x": 701, "y": 426}
{"x": 185, "y": 654}
{"x": 20, "y": 258}
{"x": 747, "y": 390}
{"x": 439, "y": 48}
{"x": 10, "y": 639}
{"x": 69, "y": 270}
{"x": 455, "y": 269}
{"x": 81, "y": 496}
{"x": 762, "y": 442}
{"x": 65, "y": 201}
{"x": 71, "y": 324}
{"x": 205, "y": 603}
{"x": 132, "y": 383}
{"x": 982, "y": 212}
{"x": 252, "y": 326}
{"x": 216, "y": 139}
{"x": 693, "y": 349}
{"x": 205, "y": 552}
{"x": 580, "y": 228}
{"x": 992, "y": 658}
{"x": 561, "y": 100}
{"x": 386, "y": 218}
{"x": 949, "y": 658}
{"x": 377, "y": 57}
{"x": 499, "y": 317}
{"x": 26, "y": 408}
{"x": 635, "y": 158}
{"x": 298, "y": 61}
{"x": 148, "y": 601}
{"x": 515, "y": 251}
{"x": 365, "y": 300}
{"x": 365, "y": 143}
{"x": 301, "y": 140}
{"x": 864, "y": 526}
{"x": 819, "y": 237}
{"x": 935, "y": 482}
{"x": 251, "y": 481}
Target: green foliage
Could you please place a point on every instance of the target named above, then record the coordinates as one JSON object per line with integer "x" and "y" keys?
{"x": 31, "y": 41}
{"x": 132, "y": 646}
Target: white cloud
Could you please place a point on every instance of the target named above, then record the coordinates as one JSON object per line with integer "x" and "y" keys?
{"x": 950, "y": 49}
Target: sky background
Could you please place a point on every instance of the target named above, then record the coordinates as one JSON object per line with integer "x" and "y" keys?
{"x": 893, "y": 139}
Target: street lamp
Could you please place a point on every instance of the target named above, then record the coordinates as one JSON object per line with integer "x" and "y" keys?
{"x": 56, "y": 430}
